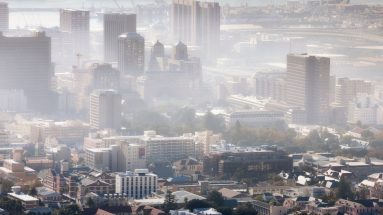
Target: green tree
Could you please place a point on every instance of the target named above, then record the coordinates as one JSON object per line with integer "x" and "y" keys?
{"x": 71, "y": 209}
{"x": 6, "y": 185}
{"x": 225, "y": 210}
{"x": 90, "y": 203}
{"x": 32, "y": 191}
{"x": 214, "y": 123}
{"x": 12, "y": 206}
{"x": 246, "y": 209}
{"x": 170, "y": 202}
{"x": 196, "y": 203}
{"x": 344, "y": 190}
{"x": 184, "y": 120}
{"x": 215, "y": 198}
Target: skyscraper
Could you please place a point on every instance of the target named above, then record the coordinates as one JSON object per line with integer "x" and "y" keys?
{"x": 105, "y": 109}
{"x": 116, "y": 24}
{"x": 76, "y": 22}
{"x": 131, "y": 53}
{"x": 25, "y": 64}
{"x": 307, "y": 85}
{"x": 4, "y": 17}
{"x": 197, "y": 23}
{"x": 180, "y": 51}
{"x": 158, "y": 51}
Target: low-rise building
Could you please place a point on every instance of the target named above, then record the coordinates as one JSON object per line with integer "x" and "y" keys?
{"x": 27, "y": 201}
{"x": 360, "y": 207}
{"x": 138, "y": 184}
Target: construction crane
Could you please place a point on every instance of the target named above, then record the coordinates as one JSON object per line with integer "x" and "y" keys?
{"x": 118, "y": 5}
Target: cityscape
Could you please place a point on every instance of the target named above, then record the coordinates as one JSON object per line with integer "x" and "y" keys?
{"x": 191, "y": 107}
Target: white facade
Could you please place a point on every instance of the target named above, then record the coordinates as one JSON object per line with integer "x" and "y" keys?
{"x": 137, "y": 185}
{"x": 159, "y": 148}
{"x": 254, "y": 118}
{"x": 365, "y": 109}
{"x": 204, "y": 140}
{"x": 131, "y": 156}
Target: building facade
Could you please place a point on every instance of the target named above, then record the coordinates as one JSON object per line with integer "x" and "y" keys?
{"x": 105, "y": 109}
{"x": 116, "y": 24}
{"x": 307, "y": 85}
{"x": 138, "y": 184}
{"x": 131, "y": 53}
{"x": 26, "y": 65}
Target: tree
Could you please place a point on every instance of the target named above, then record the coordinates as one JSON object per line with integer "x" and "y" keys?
{"x": 214, "y": 123}
{"x": 170, "y": 202}
{"x": 90, "y": 203}
{"x": 6, "y": 185}
{"x": 71, "y": 209}
{"x": 225, "y": 210}
{"x": 215, "y": 198}
{"x": 246, "y": 209}
{"x": 32, "y": 191}
{"x": 344, "y": 190}
{"x": 196, "y": 203}
{"x": 12, "y": 206}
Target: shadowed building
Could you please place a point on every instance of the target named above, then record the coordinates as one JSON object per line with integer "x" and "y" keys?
{"x": 308, "y": 85}
{"x": 131, "y": 53}
{"x": 4, "y": 17}
{"x": 116, "y": 24}
{"x": 197, "y": 23}
{"x": 25, "y": 64}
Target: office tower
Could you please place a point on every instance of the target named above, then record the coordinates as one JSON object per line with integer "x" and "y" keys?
{"x": 131, "y": 53}
{"x": 105, "y": 110}
{"x": 158, "y": 51}
{"x": 76, "y": 22}
{"x": 94, "y": 76}
{"x": 197, "y": 23}
{"x": 136, "y": 185}
{"x": 116, "y": 24}
{"x": 4, "y": 17}
{"x": 180, "y": 51}
{"x": 26, "y": 65}
{"x": 307, "y": 85}
{"x": 348, "y": 89}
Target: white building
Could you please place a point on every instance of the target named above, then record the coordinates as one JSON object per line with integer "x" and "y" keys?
{"x": 66, "y": 131}
{"x": 365, "y": 109}
{"x": 137, "y": 185}
{"x": 131, "y": 156}
{"x": 254, "y": 118}
{"x": 105, "y": 109}
{"x": 159, "y": 148}
{"x": 204, "y": 140}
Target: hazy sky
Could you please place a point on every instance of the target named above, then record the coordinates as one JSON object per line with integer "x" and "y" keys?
{"x": 128, "y": 3}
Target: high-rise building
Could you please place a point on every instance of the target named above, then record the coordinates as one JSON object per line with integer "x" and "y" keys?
{"x": 76, "y": 22}
{"x": 197, "y": 23}
{"x": 307, "y": 85}
{"x": 137, "y": 185}
{"x": 158, "y": 51}
{"x": 95, "y": 76}
{"x": 26, "y": 65}
{"x": 105, "y": 109}
{"x": 4, "y": 17}
{"x": 180, "y": 51}
{"x": 348, "y": 89}
{"x": 131, "y": 53}
{"x": 116, "y": 24}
